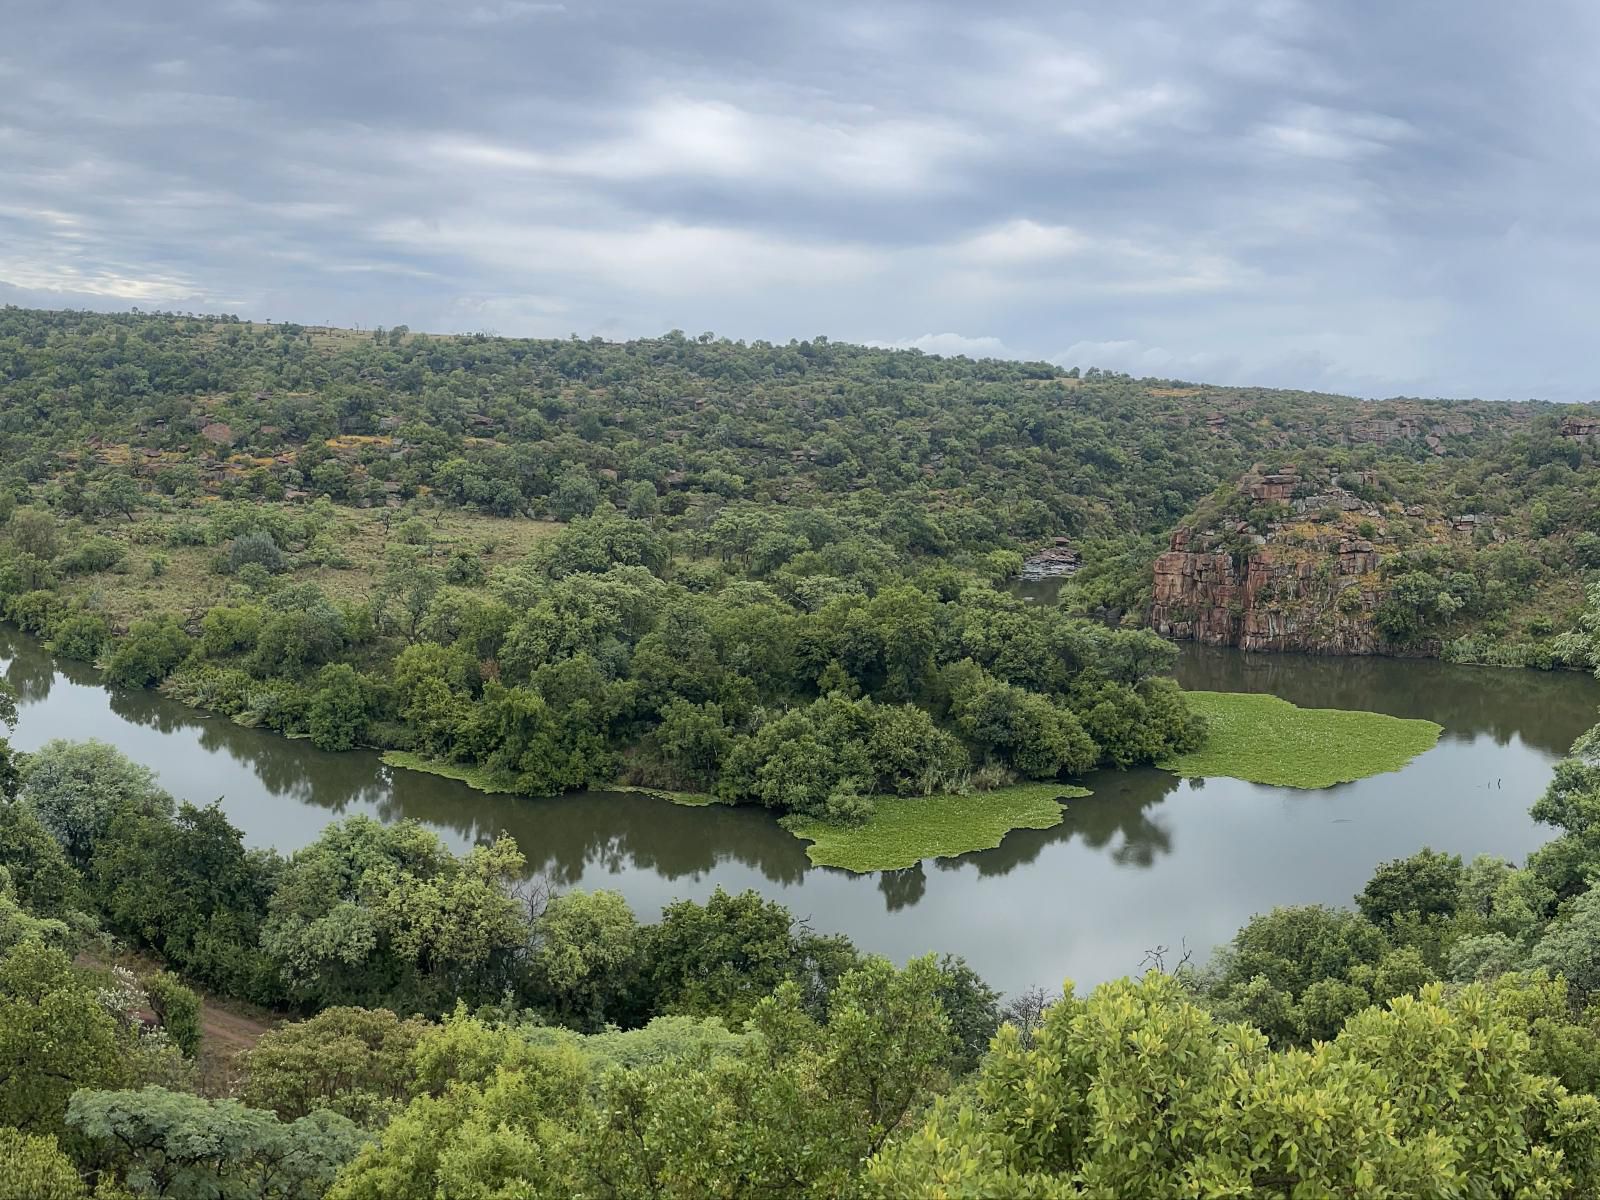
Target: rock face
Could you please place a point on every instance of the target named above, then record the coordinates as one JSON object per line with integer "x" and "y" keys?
{"x": 1316, "y": 597}
{"x": 1055, "y": 562}
{"x": 1580, "y": 428}
{"x": 1381, "y": 431}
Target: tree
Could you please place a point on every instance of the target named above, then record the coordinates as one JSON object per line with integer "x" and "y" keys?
{"x": 186, "y": 887}
{"x": 352, "y": 1061}
{"x": 114, "y": 492}
{"x": 76, "y": 788}
{"x": 372, "y": 912}
{"x": 148, "y": 653}
{"x": 43, "y": 879}
{"x": 576, "y": 494}
{"x": 17, "y": 924}
{"x": 1294, "y": 947}
{"x": 973, "y": 1009}
{"x": 407, "y": 592}
{"x": 693, "y": 739}
{"x": 1570, "y": 946}
{"x": 504, "y": 1135}
{"x": 1037, "y": 737}
{"x": 1136, "y": 1092}
{"x": 585, "y": 956}
{"x": 339, "y": 708}
{"x": 723, "y": 957}
{"x": 1427, "y": 884}
{"x": 164, "y": 1143}
{"x": 33, "y": 1168}
{"x": 82, "y": 636}
{"x": 302, "y": 628}
{"x": 177, "y": 1008}
{"x": 55, "y": 1037}
{"x": 258, "y": 547}
{"x": 795, "y": 1114}
{"x": 34, "y": 532}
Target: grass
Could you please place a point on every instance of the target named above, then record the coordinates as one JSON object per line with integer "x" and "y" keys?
{"x": 474, "y": 777}
{"x": 188, "y": 586}
{"x": 483, "y": 780}
{"x": 904, "y": 830}
{"x": 687, "y": 799}
{"x": 1265, "y": 739}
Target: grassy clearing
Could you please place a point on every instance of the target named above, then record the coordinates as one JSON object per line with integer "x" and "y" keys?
{"x": 904, "y": 830}
{"x": 188, "y": 586}
{"x": 1265, "y": 739}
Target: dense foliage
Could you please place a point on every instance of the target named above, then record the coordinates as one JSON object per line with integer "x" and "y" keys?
{"x": 779, "y": 578}
{"x": 1439, "y": 1038}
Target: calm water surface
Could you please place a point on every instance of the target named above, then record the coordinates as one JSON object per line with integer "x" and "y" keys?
{"x": 1148, "y": 860}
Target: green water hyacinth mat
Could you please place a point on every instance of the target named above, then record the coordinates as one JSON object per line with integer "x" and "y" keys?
{"x": 1265, "y": 739}
{"x": 904, "y": 830}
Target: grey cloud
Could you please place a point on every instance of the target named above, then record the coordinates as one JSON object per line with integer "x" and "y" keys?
{"x": 1378, "y": 198}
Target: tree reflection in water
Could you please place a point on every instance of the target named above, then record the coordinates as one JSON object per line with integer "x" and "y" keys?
{"x": 1145, "y": 860}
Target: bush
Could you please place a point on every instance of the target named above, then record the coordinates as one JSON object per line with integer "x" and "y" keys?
{"x": 148, "y": 654}
{"x": 35, "y": 612}
{"x": 81, "y": 636}
{"x": 95, "y": 554}
{"x": 256, "y": 547}
{"x": 178, "y": 1008}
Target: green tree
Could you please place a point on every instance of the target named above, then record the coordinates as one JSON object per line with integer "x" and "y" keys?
{"x": 34, "y": 532}
{"x": 585, "y": 956}
{"x": 259, "y": 547}
{"x": 82, "y": 636}
{"x": 1570, "y": 947}
{"x": 340, "y": 708}
{"x": 722, "y": 957}
{"x": 187, "y": 888}
{"x": 163, "y": 1143}
{"x": 55, "y": 1037}
{"x": 352, "y": 1061}
{"x": 177, "y": 1008}
{"x": 34, "y": 1168}
{"x": 1427, "y": 884}
{"x": 148, "y": 653}
{"x": 76, "y": 788}
{"x": 370, "y": 912}
{"x": 1135, "y": 1091}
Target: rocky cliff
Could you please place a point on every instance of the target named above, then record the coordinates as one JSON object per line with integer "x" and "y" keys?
{"x": 1305, "y": 581}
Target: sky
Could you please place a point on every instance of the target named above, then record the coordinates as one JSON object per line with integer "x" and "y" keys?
{"x": 1367, "y": 197}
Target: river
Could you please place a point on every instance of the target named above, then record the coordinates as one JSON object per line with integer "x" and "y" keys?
{"x": 1147, "y": 861}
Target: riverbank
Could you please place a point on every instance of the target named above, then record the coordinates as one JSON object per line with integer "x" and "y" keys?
{"x": 1149, "y": 860}
{"x": 902, "y": 831}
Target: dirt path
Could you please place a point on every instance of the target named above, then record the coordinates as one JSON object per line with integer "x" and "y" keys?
{"x": 228, "y": 1028}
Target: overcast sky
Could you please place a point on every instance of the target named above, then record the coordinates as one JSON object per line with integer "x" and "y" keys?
{"x": 1366, "y": 196}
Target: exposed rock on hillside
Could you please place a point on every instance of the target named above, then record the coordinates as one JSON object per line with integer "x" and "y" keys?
{"x": 1305, "y": 581}
{"x": 1055, "y": 562}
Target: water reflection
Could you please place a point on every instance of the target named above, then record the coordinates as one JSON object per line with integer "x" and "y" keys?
{"x": 1545, "y": 708}
{"x": 1147, "y": 860}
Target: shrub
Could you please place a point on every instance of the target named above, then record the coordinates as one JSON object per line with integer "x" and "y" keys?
{"x": 178, "y": 1008}
{"x": 257, "y": 547}
{"x": 81, "y": 636}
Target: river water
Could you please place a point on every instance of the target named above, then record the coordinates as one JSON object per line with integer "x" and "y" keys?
{"x": 1149, "y": 860}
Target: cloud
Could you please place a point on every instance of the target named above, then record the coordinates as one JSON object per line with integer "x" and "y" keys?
{"x": 1265, "y": 191}
{"x": 716, "y": 141}
{"x": 952, "y": 345}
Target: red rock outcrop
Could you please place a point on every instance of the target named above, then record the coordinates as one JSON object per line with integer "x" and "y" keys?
{"x": 1316, "y": 598}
